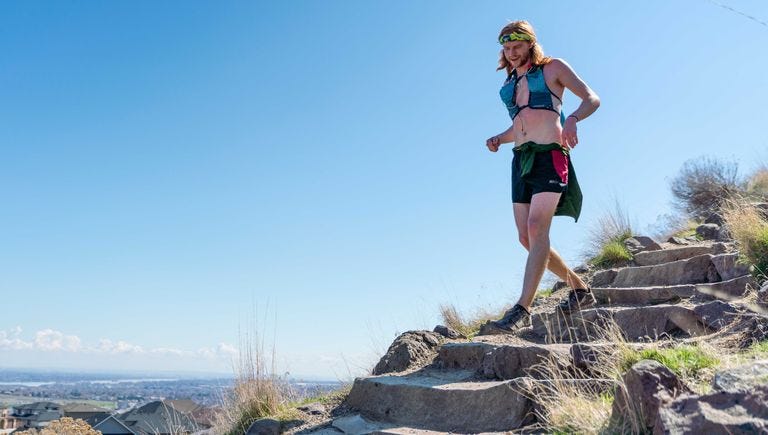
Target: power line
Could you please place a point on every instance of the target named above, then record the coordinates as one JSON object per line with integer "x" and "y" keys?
{"x": 739, "y": 12}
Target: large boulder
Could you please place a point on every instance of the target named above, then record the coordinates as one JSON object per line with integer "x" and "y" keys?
{"x": 264, "y": 426}
{"x": 716, "y": 314}
{"x": 636, "y": 244}
{"x": 740, "y": 412}
{"x": 708, "y": 231}
{"x": 648, "y": 386}
{"x": 410, "y": 350}
{"x": 742, "y": 378}
{"x": 729, "y": 267}
{"x": 448, "y": 332}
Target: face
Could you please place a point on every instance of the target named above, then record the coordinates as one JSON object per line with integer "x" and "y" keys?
{"x": 517, "y": 52}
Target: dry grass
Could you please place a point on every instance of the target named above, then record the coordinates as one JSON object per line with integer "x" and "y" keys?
{"x": 605, "y": 246}
{"x": 757, "y": 183}
{"x": 258, "y": 392}
{"x": 63, "y": 426}
{"x": 576, "y": 402}
{"x": 468, "y": 326}
{"x": 749, "y": 228}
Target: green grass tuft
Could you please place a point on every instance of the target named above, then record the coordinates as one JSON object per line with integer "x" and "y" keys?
{"x": 684, "y": 361}
{"x": 613, "y": 253}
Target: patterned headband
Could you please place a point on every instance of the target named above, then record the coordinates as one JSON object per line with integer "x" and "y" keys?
{"x": 514, "y": 37}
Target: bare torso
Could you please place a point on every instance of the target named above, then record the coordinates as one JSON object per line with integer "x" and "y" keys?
{"x": 536, "y": 125}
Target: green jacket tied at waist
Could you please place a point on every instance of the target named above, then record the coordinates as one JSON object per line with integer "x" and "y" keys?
{"x": 570, "y": 202}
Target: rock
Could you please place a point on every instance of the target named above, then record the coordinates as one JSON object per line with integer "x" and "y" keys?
{"x": 585, "y": 355}
{"x": 604, "y": 278}
{"x": 649, "y": 385}
{"x": 728, "y": 266}
{"x": 716, "y": 413}
{"x": 637, "y": 244}
{"x": 448, "y": 332}
{"x": 264, "y": 426}
{"x": 463, "y": 356}
{"x": 716, "y": 314}
{"x": 355, "y": 424}
{"x": 559, "y": 285}
{"x": 678, "y": 241}
{"x": 509, "y": 362}
{"x": 712, "y": 275}
{"x": 689, "y": 271}
{"x": 314, "y": 408}
{"x": 708, "y": 231}
{"x": 733, "y": 288}
{"x": 643, "y": 295}
{"x": 715, "y": 218}
{"x": 650, "y": 258}
{"x": 582, "y": 268}
{"x": 762, "y": 294}
{"x": 410, "y": 350}
{"x": 742, "y": 378}
{"x": 443, "y": 400}
{"x": 724, "y": 235}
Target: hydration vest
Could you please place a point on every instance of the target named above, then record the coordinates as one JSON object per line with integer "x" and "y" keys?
{"x": 539, "y": 94}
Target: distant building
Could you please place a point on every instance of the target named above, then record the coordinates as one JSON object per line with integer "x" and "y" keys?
{"x": 109, "y": 425}
{"x": 83, "y": 411}
{"x": 9, "y": 423}
{"x": 37, "y": 415}
{"x": 157, "y": 418}
{"x": 203, "y": 416}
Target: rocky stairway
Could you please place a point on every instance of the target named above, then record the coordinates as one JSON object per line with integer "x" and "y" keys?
{"x": 477, "y": 386}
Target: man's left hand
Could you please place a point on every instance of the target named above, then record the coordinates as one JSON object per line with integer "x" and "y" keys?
{"x": 569, "y": 136}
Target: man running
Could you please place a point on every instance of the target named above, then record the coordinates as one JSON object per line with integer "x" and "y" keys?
{"x": 543, "y": 181}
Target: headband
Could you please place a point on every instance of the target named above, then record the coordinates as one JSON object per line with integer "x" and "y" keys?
{"x": 514, "y": 37}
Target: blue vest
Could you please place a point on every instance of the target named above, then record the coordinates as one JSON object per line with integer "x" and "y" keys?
{"x": 539, "y": 97}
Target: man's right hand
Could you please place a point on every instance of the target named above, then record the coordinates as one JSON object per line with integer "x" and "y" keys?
{"x": 493, "y": 144}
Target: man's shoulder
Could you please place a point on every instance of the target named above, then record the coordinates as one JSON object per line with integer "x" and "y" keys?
{"x": 557, "y": 63}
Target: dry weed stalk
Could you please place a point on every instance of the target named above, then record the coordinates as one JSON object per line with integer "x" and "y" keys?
{"x": 258, "y": 392}
{"x": 468, "y": 326}
{"x": 580, "y": 401}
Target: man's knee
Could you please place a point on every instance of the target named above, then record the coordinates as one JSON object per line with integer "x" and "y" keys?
{"x": 537, "y": 228}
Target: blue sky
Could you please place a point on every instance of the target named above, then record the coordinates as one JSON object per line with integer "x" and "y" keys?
{"x": 172, "y": 168}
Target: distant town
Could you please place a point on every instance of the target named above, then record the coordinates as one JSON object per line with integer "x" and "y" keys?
{"x": 120, "y": 403}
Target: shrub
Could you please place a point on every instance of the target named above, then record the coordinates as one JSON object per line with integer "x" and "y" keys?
{"x": 749, "y": 227}
{"x": 757, "y": 183}
{"x": 704, "y": 184}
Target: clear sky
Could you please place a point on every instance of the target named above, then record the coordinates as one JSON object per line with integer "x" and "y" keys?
{"x": 171, "y": 168}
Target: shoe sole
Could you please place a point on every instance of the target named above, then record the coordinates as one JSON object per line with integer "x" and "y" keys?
{"x": 491, "y": 328}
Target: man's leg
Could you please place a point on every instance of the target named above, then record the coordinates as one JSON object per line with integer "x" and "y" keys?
{"x": 555, "y": 263}
{"x": 542, "y": 209}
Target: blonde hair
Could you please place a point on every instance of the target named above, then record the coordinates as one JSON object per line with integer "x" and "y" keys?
{"x": 536, "y": 54}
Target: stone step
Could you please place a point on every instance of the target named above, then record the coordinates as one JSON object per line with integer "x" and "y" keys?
{"x": 693, "y": 270}
{"x": 651, "y": 258}
{"x": 442, "y": 400}
{"x": 643, "y": 295}
{"x": 733, "y": 288}
{"x": 636, "y": 323}
{"x": 507, "y": 361}
{"x": 356, "y": 424}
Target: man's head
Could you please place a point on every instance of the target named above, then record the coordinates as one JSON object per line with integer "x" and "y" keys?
{"x": 519, "y": 46}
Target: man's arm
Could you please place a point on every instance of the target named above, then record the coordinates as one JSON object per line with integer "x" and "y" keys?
{"x": 589, "y": 100}
{"x": 506, "y": 136}
{"x": 568, "y": 78}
